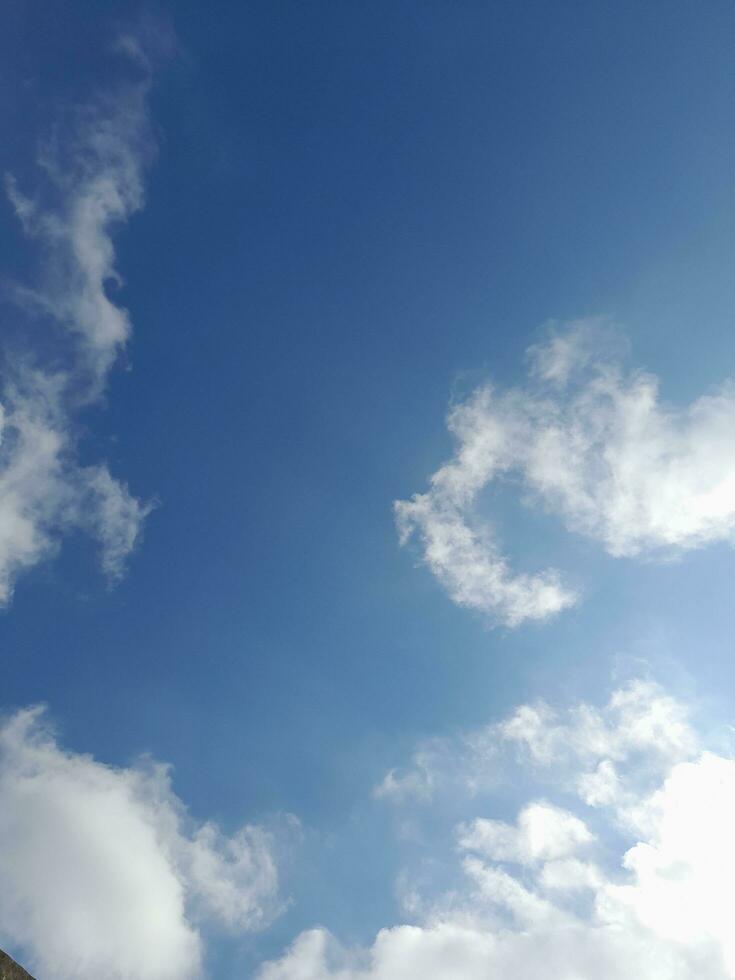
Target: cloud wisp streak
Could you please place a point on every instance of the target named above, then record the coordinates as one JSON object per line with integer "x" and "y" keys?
{"x": 619, "y": 863}
{"x": 590, "y": 442}
{"x": 72, "y": 333}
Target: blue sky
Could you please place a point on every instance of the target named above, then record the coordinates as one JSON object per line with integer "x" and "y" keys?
{"x": 341, "y": 221}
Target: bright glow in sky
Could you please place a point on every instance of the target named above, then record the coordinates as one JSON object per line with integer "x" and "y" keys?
{"x": 367, "y": 491}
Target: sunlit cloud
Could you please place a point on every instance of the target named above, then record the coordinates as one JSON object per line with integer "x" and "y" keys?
{"x": 635, "y": 881}
{"x": 592, "y": 443}
{"x": 105, "y": 875}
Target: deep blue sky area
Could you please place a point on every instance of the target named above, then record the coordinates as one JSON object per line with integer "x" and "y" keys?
{"x": 357, "y": 211}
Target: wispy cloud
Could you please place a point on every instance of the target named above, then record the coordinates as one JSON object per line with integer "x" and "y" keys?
{"x": 619, "y": 864}
{"x": 90, "y": 182}
{"x": 105, "y": 874}
{"x": 639, "y": 721}
{"x": 590, "y": 442}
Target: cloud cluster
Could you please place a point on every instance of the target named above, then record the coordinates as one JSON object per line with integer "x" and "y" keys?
{"x": 631, "y": 873}
{"x": 640, "y": 724}
{"x": 72, "y": 334}
{"x": 104, "y": 873}
{"x": 588, "y": 441}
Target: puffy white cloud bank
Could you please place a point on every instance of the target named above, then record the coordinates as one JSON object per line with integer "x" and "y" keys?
{"x": 91, "y": 182}
{"x": 619, "y": 864}
{"x": 591, "y": 442}
{"x": 104, "y": 874}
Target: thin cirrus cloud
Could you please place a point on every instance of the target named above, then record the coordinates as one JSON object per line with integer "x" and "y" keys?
{"x": 630, "y": 872}
{"x": 91, "y": 180}
{"x": 592, "y": 443}
{"x": 105, "y": 874}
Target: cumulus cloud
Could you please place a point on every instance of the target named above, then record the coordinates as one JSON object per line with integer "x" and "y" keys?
{"x": 543, "y": 832}
{"x": 646, "y": 893}
{"x": 590, "y": 442}
{"x": 641, "y": 727}
{"x": 104, "y": 873}
{"x": 91, "y": 181}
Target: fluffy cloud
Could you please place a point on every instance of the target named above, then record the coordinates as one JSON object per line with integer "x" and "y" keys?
{"x": 641, "y": 727}
{"x": 91, "y": 181}
{"x": 590, "y": 442}
{"x": 647, "y": 894}
{"x": 543, "y": 832}
{"x": 104, "y": 873}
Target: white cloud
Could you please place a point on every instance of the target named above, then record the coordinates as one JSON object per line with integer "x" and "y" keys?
{"x": 595, "y": 445}
{"x": 93, "y": 170}
{"x": 92, "y": 181}
{"x": 543, "y": 833}
{"x": 417, "y": 782}
{"x": 113, "y": 516}
{"x": 104, "y": 873}
{"x": 641, "y": 727}
{"x": 638, "y": 718}
{"x": 648, "y": 894}
{"x": 466, "y": 559}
